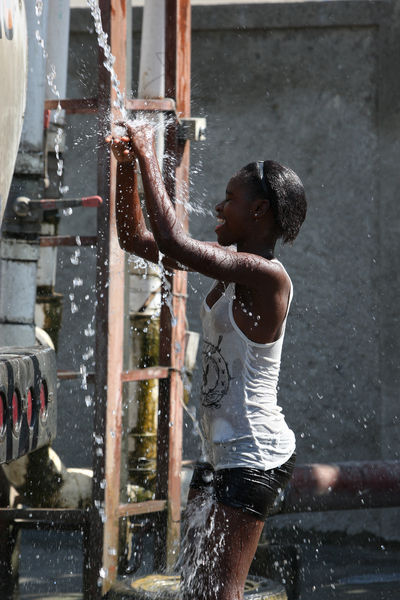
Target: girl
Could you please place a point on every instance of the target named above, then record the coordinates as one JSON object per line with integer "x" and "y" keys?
{"x": 249, "y": 451}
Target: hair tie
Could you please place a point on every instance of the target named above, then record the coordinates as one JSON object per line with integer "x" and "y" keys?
{"x": 264, "y": 182}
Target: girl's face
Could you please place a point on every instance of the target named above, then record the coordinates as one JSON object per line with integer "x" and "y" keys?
{"x": 235, "y": 215}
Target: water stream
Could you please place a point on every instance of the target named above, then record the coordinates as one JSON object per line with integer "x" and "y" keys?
{"x": 51, "y": 76}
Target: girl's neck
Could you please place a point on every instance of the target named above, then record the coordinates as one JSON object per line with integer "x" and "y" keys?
{"x": 261, "y": 248}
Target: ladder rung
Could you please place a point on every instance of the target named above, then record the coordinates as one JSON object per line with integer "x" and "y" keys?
{"x": 141, "y": 508}
{"x": 45, "y": 517}
{"x": 68, "y": 375}
{"x": 143, "y": 374}
{"x": 57, "y": 203}
{"x": 151, "y": 104}
{"x": 90, "y": 105}
{"x": 73, "y": 105}
{"x": 68, "y": 240}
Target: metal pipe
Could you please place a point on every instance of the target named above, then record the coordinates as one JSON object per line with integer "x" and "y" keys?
{"x": 145, "y": 283}
{"x": 30, "y": 156}
{"x": 342, "y": 486}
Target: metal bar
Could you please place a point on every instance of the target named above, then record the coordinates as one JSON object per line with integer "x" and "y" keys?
{"x": 55, "y": 517}
{"x": 73, "y": 105}
{"x": 342, "y": 486}
{"x": 144, "y": 374}
{"x": 151, "y": 104}
{"x": 177, "y": 85}
{"x": 94, "y": 539}
{"x": 102, "y": 540}
{"x": 64, "y": 375}
{"x": 90, "y": 105}
{"x": 67, "y": 240}
{"x": 56, "y": 203}
{"x": 141, "y": 508}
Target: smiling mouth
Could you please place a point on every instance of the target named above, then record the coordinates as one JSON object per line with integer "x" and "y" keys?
{"x": 221, "y": 222}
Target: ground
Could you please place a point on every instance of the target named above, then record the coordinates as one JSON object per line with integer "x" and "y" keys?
{"x": 334, "y": 568}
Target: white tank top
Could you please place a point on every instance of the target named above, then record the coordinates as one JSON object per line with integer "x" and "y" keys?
{"x": 241, "y": 423}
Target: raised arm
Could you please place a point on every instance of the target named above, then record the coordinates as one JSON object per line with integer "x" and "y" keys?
{"x": 133, "y": 235}
{"x": 210, "y": 259}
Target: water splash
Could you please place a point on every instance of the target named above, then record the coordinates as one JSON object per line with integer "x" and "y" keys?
{"x": 109, "y": 61}
{"x": 51, "y": 76}
{"x": 39, "y": 8}
{"x": 167, "y": 290}
{"x": 200, "y": 552}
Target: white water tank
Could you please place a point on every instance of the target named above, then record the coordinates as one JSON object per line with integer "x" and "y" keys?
{"x": 13, "y": 78}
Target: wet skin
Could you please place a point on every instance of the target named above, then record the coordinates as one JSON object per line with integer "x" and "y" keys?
{"x": 262, "y": 285}
{"x": 262, "y": 292}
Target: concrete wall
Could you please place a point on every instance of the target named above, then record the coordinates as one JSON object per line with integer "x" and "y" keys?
{"x": 312, "y": 85}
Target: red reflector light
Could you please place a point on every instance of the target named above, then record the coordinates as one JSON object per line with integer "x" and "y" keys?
{"x": 43, "y": 401}
{"x": 16, "y": 411}
{"x": 29, "y": 408}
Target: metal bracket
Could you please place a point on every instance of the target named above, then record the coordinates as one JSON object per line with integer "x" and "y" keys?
{"x": 23, "y": 206}
{"x": 192, "y": 129}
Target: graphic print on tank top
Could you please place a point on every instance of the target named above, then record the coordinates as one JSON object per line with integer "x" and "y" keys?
{"x": 216, "y": 375}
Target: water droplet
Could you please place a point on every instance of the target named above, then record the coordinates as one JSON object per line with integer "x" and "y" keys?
{"x": 88, "y": 354}
{"x": 63, "y": 189}
{"x": 38, "y": 8}
{"x": 89, "y": 331}
{"x": 75, "y": 257}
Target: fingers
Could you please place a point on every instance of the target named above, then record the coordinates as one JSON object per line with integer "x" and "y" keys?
{"x": 121, "y": 148}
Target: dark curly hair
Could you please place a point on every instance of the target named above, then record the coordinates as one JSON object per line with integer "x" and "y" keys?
{"x": 284, "y": 190}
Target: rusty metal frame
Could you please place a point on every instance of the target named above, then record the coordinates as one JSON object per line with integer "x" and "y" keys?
{"x": 103, "y": 530}
{"x": 176, "y": 176}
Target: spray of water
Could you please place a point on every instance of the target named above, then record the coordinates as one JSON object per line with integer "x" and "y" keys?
{"x": 51, "y": 76}
{"x": 199, "y": 558}
{"x": 109, "y": 58}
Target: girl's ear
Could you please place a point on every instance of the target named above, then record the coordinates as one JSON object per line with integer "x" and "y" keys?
{"x": 261, "y": 207}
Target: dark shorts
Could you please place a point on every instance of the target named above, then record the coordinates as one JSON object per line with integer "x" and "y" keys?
{"x": 252, "y": 490}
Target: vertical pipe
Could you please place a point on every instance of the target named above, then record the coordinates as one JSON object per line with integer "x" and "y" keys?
{"x": 57, "y": 45}
{"x": 49, "y": 303}
{"x": 151, "y": 85}
{"x": 101, "y": 566}
{"x": 177, "y": 84}
{"x": 152, "y": 63}
{"x": 30, "y": 158}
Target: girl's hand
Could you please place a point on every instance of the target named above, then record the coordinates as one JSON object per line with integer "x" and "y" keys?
{"x": 140, "y": 135}
{"x": 121, "y": 148}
